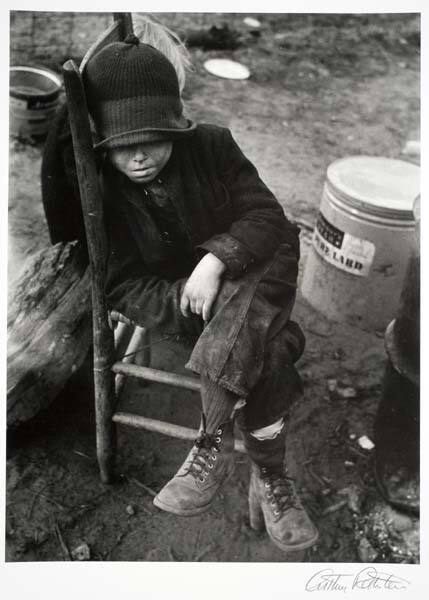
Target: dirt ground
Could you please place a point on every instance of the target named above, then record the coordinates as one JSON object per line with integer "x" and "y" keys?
{"x": 321, "y": 87}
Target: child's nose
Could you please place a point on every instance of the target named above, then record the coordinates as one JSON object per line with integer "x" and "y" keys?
{"x": 139, "y": 154}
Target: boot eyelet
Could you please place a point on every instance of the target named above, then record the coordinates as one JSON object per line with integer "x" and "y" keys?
{"x": 219, "y": 432}
{"x": 214, "y": 457}
{"x": 215, "y": 449}
{"x": 201, "y": 479}
{"x": 267, "y": 484}
{"x": 276, "y": 512}
{"x": 210, "y": 466}
{"x": 218, "y": 440}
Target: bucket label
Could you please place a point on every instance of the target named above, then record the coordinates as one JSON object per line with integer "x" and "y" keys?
{"x": 342, "y": 250}
{"x": 40, "y": 104}
{"x": 17, "y": 103}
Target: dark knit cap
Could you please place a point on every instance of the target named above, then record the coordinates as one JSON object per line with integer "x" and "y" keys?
{"x": 133, "y": 95}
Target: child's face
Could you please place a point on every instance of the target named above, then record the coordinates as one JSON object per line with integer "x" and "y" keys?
{"x": 141, "y": 162}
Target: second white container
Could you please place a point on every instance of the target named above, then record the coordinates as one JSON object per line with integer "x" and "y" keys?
{"x": 362, "y": 240}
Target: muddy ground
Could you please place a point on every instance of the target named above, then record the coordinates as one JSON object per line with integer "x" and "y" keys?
{"x": 321, "y": 87}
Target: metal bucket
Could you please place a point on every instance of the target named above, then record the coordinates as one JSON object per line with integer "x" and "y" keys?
{"x": 363, "y": 240}
{"x": 33, "y": 100}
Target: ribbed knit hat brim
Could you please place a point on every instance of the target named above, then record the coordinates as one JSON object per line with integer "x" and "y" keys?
{"x": 140, "y": 136}
{"x": 133, "y": 95}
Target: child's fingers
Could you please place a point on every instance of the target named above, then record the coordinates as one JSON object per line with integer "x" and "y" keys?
{"x": 193, "y": 305}
{"x": 207, "y": 309}
{"x": 184, "y": 304}
{"x": 199, "y": 306}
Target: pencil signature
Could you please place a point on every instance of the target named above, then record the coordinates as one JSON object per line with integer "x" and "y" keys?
{"x": 369, "y": 578}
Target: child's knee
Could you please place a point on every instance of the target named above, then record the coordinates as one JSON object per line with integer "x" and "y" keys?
{"x": 269, "y": 432}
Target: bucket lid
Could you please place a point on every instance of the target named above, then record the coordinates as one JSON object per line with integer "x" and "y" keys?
{"x": 380, "y": 186}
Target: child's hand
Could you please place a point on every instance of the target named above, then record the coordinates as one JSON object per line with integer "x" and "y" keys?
{"x": 202, "y": 287}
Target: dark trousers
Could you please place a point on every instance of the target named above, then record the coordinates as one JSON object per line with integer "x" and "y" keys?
{"x": 250, "y": 344}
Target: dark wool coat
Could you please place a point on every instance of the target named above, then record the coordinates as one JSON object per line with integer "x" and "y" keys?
{"x": 221, "y": 206}
{"x": 60, "y": 189}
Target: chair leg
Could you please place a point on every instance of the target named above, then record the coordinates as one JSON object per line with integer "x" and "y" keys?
{"x": 143, "y": 358}
{"x": 139, "y": 339}
{"x": 105, "y": 402}
{"x": 122, "y": 335}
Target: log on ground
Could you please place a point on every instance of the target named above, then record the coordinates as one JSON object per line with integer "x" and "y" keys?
{"x": 49, "y": 328}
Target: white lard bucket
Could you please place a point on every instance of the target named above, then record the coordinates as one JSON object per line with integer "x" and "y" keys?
{"x": 362, "y": 240}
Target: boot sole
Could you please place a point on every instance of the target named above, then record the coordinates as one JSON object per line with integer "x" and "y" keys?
{"x": 296, "y": 547}
{"x": 189, "y": 512}
{"x": 181, "y": 512}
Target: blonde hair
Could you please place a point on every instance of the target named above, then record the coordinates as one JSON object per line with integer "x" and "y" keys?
{"x": 166, "y": 41}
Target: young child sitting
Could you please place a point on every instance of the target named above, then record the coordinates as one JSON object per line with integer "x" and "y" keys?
{"x": 200, "y": 247}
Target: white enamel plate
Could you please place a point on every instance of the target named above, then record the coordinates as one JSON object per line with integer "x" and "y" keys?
{"x": 229, "y": 69}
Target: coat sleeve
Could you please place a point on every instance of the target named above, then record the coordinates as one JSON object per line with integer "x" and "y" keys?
{"x": 131, "y": 288}
{"x": 60, "y": 189}
{"x": 259, "y": 224}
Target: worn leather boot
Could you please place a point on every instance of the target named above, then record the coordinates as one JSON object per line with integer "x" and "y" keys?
{"x": 208, "y": 465}
{"x": 273, "y": 499}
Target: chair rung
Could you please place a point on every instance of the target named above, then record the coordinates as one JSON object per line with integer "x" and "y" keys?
{"x": 190, "y": 383}
{"x": 176, "y": 431}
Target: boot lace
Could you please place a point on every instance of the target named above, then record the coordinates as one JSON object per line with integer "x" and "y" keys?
{"x": 204, "y": 453}
{"x": 280, "y": 490}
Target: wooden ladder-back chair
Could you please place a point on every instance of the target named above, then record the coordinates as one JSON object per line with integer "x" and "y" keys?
{"x": 106, "y": 367}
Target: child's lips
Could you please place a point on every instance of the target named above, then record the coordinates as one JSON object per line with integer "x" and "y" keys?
{"x": 142, "y": 172}
{"x": 142, "y": 169}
